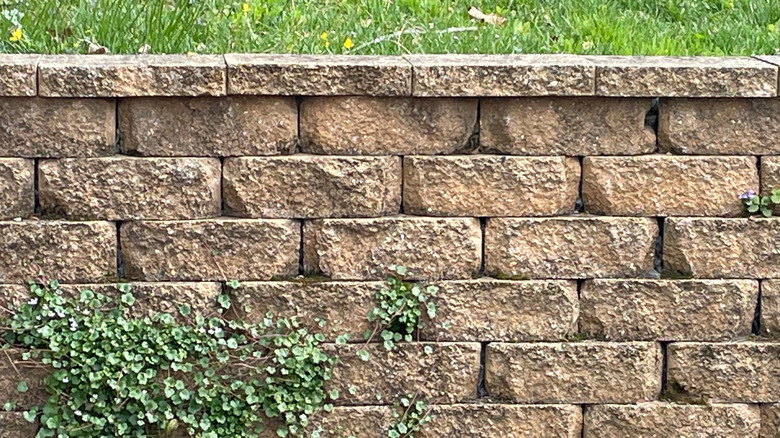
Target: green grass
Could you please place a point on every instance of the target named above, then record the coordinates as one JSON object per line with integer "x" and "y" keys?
{"x": 625, "y": 27}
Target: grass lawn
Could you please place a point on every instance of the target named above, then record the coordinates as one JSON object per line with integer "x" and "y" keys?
{"x": 647, "y": 27}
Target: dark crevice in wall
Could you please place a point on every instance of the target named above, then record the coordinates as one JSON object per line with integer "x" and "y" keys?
{"x": 482, "y": 226}
{"x": 298, "y": 101}
{"x": 481, "y": 386}
{"x": 756, "y": 328}
{"x": 664, "y": 365}
{"x": 579, "y": 206}
{"x": 474, "y": 143}
{"x": 658, "y": 253}
{"x": 117, "y": 134}
{"x": 758, "y": 169}
{"x": 300, "y": 251}
{"x": 580, "y": 282}
{"x": 222, "y": 186}
{"x": 582, "y": 424}
{"x": 401, "y": 207}
{"x": 120, "y": 263}
{"x": 651, "y": 118}
{"x": 36, "y": 199}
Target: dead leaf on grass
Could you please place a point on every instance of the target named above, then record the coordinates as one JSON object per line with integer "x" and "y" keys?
{"x": 95, "y": 48}
{"x": 493, "y": 19}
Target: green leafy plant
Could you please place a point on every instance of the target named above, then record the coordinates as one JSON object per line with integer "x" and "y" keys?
{"x": 409, "y": 417}
{"x": 114, "y": 375}
{"x": 400, "y": 306}
{"x": 757, "y": 204}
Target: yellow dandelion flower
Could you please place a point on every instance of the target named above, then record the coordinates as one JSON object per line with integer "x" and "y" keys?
{"x": 245, "y": 7}
{"x": 348, "y": 43}
{"x": 324, "y": 38}
{"x": 16, "y": 34}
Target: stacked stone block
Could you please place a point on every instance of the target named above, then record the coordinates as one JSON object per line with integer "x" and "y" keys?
{"x": 598, "y": 275}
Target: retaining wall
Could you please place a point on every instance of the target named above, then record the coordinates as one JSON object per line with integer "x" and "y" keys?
{"x": 597, "y": 270}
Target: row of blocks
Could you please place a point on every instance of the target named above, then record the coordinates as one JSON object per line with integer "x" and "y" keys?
{"x": 358, "y": 125}
{"x": 310, "y": 187}
{"x": 578, "y": 247}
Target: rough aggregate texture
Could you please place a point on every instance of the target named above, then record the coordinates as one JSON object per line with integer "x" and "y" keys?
{"x": 648, "y": 420}
{"x": 667, "y": 310}
{"x": 471, "y": 185}
{"x": 770, "y": 421}
{"x": 575, "y": 372}
{"x": 16, "y": 188}
{"x": 207, "y": 250}
{"x": 770, "y": 308}
{"x": 31, "y": 372}
{"x": 361, "y": 125}
{"x": 357, "y": 249}
{"x": 507, "y": 421}
{"x": 18, "y": 75}
{"x": 208, "y": 126}
{"x": 575, "y": 247}
{"x": 124, "y": 188}
{"x": 308, "y": 186}
{"x": 573, "y": 126}
{"x": 13, "y": 425}
{"x": 667, "y": 185}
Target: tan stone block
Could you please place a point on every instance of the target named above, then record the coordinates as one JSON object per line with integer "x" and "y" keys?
{"x": 218, "y": 249}
{"x": 565, "y": 126}
{"x": 721, "y": 248}
{"x": 361, "y": 125}
{"x": 123, "y": 188}
{"x": 35, "y": 127}
{"x": 770, "y": 308}
{"x": 13, "y": 425}
{"x": 770, "y": 177}
{"x": 502, "y": 75}
{"x": 570, "y": 247}
{"x": 342, "y": 305}
{"x": 666, "y": 310}
{"x": 486, "y": 185}
{"x": 574, "y": 372}
{"x": 306, "y": 75}
{"x": 649, "y": 420}
{"x": 18, "y": 74}
{"x": 131, "y": 75}
{"x": 770, "y": 421}
{"x": 311, "y": 186}
{"x": 355, "y": 422}
{"x": 357, "y": 249}
{"x": 506, "y": 421}
{"x": 14, "y": 369}
{"x": 735, "y": 372}
{"x": 719, "y": 126}
{"x": 667, "y": 185}
{"x": 71, "y": 252}
{"x": 16, "y": 188}
{"x": 447, "y": 373}
{"x": 684, "y": 76}
{"x": 498, "y": 310}
{"x": 208, "y": 126}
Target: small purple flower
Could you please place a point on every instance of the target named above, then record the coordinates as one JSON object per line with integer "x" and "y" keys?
{"x": 747, "y": 195}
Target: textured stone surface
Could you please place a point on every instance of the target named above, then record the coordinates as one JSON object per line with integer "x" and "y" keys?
{"x": 506, "y": 421}
{"x": 770, "y": 421}
{"x": 770, "y": 176}
{"x": 305, "y": 75}
{"x": 219, "y": 249}
{"x": 35, "y": 127}
{"x": 666, "y": 185}
{"x": 738, "y": 372}
{"x": 362, "y": 125}
{"x": 684, "y": 76}
{"x": 448, "y": 373}
{"x": 16, "y": 188}
{"x": 650, "y": 420}
{"x": 356, "y": 249}
{"x": 123, "y": 188}
{"x": 721, "y": 248}
{"x": 71, "y": 252}
{"x": 131, "y": 75}
{"x": 565, "y": 126}
{"x": 719, "y": 126}
{"x": 311, "y": 186}
{"x": 18, "y": 74}
{"x": 502, "y": 75}
{"x": 498, "y": 310}
{"x": 355, "y": 422}
{"x": 208, "y": 126}
{"x": 486, "y": 185}
{"x": 575, "y": 372}
{"x": 343, "y": 305}
{"x": 770, "y": 308}
{"x": 574, "y": 247}
{"x": 30, "y": 371}
{"x": 13, "y": 425}
{"x": 666, "y": 310}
